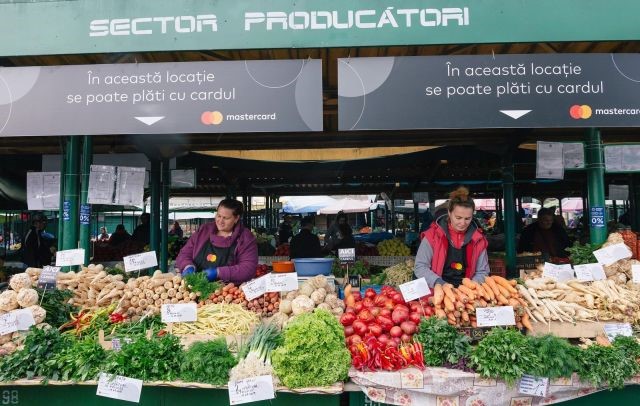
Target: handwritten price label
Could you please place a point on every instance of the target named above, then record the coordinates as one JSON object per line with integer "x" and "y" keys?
{"x": 179, "y": 312}
{"x": 119, "y": 387}
{"x": 495, "y": 316}
{"x": 251, "y": 390}
{"x": 283, "y": 282}
{"x": 70, "y": 257}
{"x": 140, "y": 261}
{"x": 255, "y": 288}
{"x": 533, "y": 385}
{"x": 414, "y": 289}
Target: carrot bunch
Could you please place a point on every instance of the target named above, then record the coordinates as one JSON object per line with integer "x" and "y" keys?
{"x": 458, "y": 305}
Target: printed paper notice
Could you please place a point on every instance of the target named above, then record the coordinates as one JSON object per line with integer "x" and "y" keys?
{"x": 25, "y": 319}
{"x": 495, "y": 316}
{"x": 70, "y": 257}
{"x": 533, "y": 385}
{"x": 549, "y": 160}
{"x": 612, "y": 253}
{"x": 251, "y": 390}
{"x": 179, "y": 312}
{"x": 589, "y": 272}
{"x": 8, "y": 323}
{"x": 119, "y": 387}
{"x": 140, "y": 261}
{"x": 130, "y": 186}
{"x": 282, "y": 282}
{"x": 102, "y": 184}
{"x": 573, "y": 155}
{"x": 635, "y": 273}
{"x": 43, "y": 190}
{"x": 415, "y": 289}
{"x": 612, "y": 330}
{"x": 561, "y": 273}
{"x": 255, "y": 288}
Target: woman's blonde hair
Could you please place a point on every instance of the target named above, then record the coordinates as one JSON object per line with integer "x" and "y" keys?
{"x": 460, "y": 197}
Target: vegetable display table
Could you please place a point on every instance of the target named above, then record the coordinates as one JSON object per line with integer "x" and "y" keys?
{"x": 448, "y": 387}
{"x": 32, "y": 393}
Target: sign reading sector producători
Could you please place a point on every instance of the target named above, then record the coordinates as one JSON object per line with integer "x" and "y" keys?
{"x": 66, "y": 27}
{"x": 162, "y": 98}
{"x": 501, "y": 91}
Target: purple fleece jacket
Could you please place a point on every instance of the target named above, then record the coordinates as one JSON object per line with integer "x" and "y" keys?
{"x": 241, "y": 269}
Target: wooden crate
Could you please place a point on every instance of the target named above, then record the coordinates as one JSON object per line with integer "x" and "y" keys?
{"x": 569, "y": 330}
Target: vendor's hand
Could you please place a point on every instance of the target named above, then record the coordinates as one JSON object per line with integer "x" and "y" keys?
{"x": 189, "y": 269}
{"x": 212, "y": 274}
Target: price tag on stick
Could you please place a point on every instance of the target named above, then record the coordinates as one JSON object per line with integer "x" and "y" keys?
{"x": 140, "y": 261}
{"x": 251, "y": 390}
{"x": 347, "y": 255}
{"x": 533, "y": 385}
{"x": 8, "y": 323}
{"x": 495, "y": 316}
{"x": 415, "y": 289}
{"x": 48, "y": 277}
{"x": 119, "y": 387}
{"x": 255, "y": 288}
{"x": 282, "y": 282}
{"x": 70, "y": 257}
{"x": 179, "y": 312}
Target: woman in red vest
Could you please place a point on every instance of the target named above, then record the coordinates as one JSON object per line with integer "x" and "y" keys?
{"x": 453, "y": 247}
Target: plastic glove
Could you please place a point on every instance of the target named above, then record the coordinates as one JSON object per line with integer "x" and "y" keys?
{"x": 212, "y": 274}
{"x": 189, "y": 269}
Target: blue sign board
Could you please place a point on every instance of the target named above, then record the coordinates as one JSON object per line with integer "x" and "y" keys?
{"x": 66, "y": 210}
{"x": 85, "y": 214}
{"x": 597, "y": 216}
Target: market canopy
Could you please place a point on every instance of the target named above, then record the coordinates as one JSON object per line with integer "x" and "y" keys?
{"x": 347, "y": 206}
{"x": 306, "y": 204}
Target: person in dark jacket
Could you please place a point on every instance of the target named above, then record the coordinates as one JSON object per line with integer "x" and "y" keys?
{"x": 119, "y": 236}
{"x": 344, "y": 239}
{"x": 305, "y": 244}
{"x": 453, "y": 247}
{"x": 142, "y": 233}
{"x": 544, "y": 235}
{"x": 36, "y": 248}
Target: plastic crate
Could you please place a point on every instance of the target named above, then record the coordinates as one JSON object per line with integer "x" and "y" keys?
{"x": 385, "y": 261}
{"x": 270, "y": 260}
{"x": 529, "y": 261}
{"x": 497, "y": 266}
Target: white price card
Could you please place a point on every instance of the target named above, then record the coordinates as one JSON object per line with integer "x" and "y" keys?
{"x": 8, "y": 323}
{"x": 48, "y": 277}
{"x": 282, "y": 282}
{"x": 347, "y": 255}
{"x": 255, "y": 288}
{"x": 495, "y": 316}
{"x": 589, "y": 272}
{"x": 179, "y": 312}
{"x": 533, "y": 385}
{"x": 415, "y": 289}
{"x": 251, "y": 390}
{"x": 612, "y": 253}
{"x": 140, "y": 261}
{"x": 70, "y": 257}
{"x": 25, "y": 319}
{"x": 119, "y": 387}
{"x": 561, "y": 273}
{"x": 635, "y": 273}
{"x": 612, "y": 330}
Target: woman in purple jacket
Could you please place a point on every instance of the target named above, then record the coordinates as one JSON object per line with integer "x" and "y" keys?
{"x": 224, "y": 250}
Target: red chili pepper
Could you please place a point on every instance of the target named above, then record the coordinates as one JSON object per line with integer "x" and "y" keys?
{"x": 115, "y": 318}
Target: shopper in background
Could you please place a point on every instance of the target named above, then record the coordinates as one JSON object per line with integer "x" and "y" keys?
{"x": 142, "y": 233}
{"x": 224, "y": 250}
{"x": 119, "y": 236}
{"x": 104, "y": 236}
{"x": 453, "y": 247}
{"x": 176, "y": 230}
{"x": 285, "y": 230}
{"x": 544, "y": 235}
{"x": 344, "y": 239}
{"x": 332, "y": 236}
{"x": 306, "y": 244}
{"x": 36, "y": 250}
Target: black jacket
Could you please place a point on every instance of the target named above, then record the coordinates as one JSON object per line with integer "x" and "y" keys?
{"x": 305, "y": 245}
{"x": 36, "y": 249}
{"x": 557, "y": 244}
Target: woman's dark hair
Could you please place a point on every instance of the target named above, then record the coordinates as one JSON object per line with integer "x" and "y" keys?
{"x": 345, "y": 230}
{"x": 460, "y": 197}
{"x": 234, "y": 205}
{"x": 546, "y": 212}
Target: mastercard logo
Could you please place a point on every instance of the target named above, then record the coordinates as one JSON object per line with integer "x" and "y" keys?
{"x": 580, "y": 112}
{"x": 211, "y": 118}
{"x": 211, "y": 258}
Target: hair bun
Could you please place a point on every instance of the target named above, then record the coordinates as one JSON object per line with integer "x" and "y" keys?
{"x": 460, "y": 194}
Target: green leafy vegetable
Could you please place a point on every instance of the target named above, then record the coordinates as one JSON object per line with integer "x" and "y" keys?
{"x": 506, "y": 354}
{"x": 198, "y": 282}
{"x": 81, "y": 361}
{"x": 40, "y": 346}
{"x": 149, "y": 360}
{"x": 558, "y": 358}
{"x": 208, "y": 362}
{"x": 441, "y": 342}
{"x": 611, "y": 365}
{"x": 313, "y": 352}
{"x": 582, "y": 254}
{"x": 55, "y": 302}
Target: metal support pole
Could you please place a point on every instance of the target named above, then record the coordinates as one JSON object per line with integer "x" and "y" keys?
{"x": 595, "y": 181}
{"x": 634, "y": 195}
{"x": 164, "y": 230}
{"x": 154, "y": 185}
{"x": 63, "y": 176}
{"x": 71, "y": 195}
{"x": 85, "y": 208}
{"x": 509, "y": 216}
{"x": 416, "y": 216}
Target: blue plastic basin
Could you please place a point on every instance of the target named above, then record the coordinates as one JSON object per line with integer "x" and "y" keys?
{"x": 313, "y": 266}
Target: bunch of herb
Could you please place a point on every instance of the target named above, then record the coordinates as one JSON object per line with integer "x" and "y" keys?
{"x": 56, "y": 304}
{"x": 610, "y": 365}
{"x": 441, "y": 342}
{"x": 582, "y": 254}
{"x": 140, "y": 327}
{"x": 150, "y": 360}
{"x": 208, "y": 362}
{"x": 40, "y": 346}
{"x": 505, "y": 354}
{"x": 198, "y": 282}
{"x": 81, "y": 361}
{"x": 255, "y": 355}
{"x": 117, "y": 271}
{"x": 558, "y": 358}
{"x": 629, "y": 345}
{"x": 313, "y": 351}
